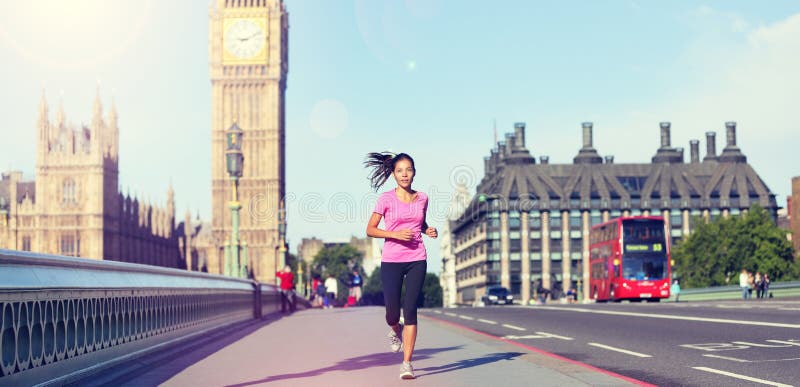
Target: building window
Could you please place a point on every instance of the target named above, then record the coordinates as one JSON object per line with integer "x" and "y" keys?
{"x": 68, "y": 192}
{"x": 68, "y": 245}
{"x": 26, "y": 243}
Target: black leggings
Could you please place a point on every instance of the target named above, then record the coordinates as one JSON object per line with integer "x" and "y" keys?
{"x": 392, "y": 275}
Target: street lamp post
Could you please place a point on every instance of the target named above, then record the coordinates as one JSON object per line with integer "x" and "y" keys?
{"x": 281, "y": 258}
{"x": 235, "y": 263}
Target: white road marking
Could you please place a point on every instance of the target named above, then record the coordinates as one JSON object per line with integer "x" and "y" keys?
{"x": 466, "y": 317}
{"x": 743, "y": 377}
{"x": 450, "y": 314}
{"x": 793, "y": 309}
{"x": 674, "y": 317}
{"x": 788, "y": 342}
{"x": 727, "y": 358}
{"x": 625, "y": 351}
{"x": 538, "y": 335}
{"x": 764, "y": 361}
{"x": 437, "y": 311}
{"x": 513, "y": 327}
{"x": 487, "y": 321}
{"x": 555, "y": 336}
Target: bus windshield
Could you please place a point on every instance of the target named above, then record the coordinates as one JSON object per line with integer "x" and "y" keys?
{"x": 644, "y": 267}
{"x": 643, "y": 231}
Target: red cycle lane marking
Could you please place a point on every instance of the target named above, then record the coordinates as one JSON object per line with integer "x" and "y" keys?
{"x": 545, "y": 353}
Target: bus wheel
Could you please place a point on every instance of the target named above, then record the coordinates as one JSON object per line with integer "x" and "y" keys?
{"x": 653, "y": 300}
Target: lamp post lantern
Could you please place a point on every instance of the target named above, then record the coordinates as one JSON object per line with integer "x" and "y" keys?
{"x": 236, "y": 263}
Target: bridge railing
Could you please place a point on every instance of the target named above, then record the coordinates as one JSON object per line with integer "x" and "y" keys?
{"x": 778, "y": 290}
{"x": 62, "y": 319}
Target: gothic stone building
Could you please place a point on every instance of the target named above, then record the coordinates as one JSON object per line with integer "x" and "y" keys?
{"x": 530, "y": 221}
{"x": 74, "y": 207}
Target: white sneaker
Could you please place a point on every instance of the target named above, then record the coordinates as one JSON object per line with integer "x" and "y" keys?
{"x": 395, "y": 343}
{"x": 406, "y": 371}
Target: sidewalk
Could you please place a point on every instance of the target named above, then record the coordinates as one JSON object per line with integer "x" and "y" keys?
{"x": 349, "y": 347}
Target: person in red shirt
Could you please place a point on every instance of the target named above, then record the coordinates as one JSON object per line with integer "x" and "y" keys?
{"x": 287, "y": 288}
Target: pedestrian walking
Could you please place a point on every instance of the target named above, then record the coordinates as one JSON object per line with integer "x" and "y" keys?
{"x": 404, "y": 258}
{"x": 675, "y": 289}
{"x": 759, "y": 284}
{"x": 331, "y": 290}
{"x": 355, "y": 286}
{"x": 766, "y": 286}
{"x": 744, "y": 285}
{"x": 287, "y": 288}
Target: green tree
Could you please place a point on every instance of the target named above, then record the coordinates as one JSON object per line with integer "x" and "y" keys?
{"x": 715, "y": 252}
{"x": 432, "y": 291}
{"x": 339, "y": 261}
{"x": 373, "y": 288}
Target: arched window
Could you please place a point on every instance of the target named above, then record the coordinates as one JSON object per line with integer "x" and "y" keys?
{"x": 68, "y": 193}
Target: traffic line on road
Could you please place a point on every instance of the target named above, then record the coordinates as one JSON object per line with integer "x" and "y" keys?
{"x": 450, "y": 314}
{"x": 743, "y": 377}
{"x": 513, "y": 327}
{"x": 674, "y": 317}
{"x": 466, "y": 317}
{"x": 625, "y": 351}
{"x": 555, "y": 336}
{"x": 437, "y": 311}
{"x": 487, "y": 321}
{"x": 542, "y": 352}
{"x": 727, "y": 358}
{"x": 538, "y": 335}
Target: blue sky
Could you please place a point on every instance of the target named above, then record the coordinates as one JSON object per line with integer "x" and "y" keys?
{"x": 425, "y": 77}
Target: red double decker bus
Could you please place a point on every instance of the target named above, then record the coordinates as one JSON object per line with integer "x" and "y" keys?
{"x": 629, "y": 260}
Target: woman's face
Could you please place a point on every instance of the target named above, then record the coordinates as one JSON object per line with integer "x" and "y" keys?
{"x": 403, "y": 173}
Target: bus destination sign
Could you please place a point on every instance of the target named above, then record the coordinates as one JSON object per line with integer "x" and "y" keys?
{"x": 643, "y": 247}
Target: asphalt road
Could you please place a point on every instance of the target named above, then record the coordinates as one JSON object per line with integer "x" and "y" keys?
{"x": 727, "y": 343}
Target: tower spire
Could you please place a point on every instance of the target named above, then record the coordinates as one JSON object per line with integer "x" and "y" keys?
{"x": 60, "y": 117}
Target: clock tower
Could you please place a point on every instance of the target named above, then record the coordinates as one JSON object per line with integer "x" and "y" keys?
{"x": 248, "y": 52}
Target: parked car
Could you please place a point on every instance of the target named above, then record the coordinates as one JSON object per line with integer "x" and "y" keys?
{"x": 497, "y": 295}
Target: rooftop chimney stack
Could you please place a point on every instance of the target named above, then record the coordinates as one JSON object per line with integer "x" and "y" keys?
{"x": 519, "y": 134}
{"x": 544, "y": 160}
{"x": 587, "y": 154}
{"x": 731, "y": 153}
{"x": 587, "y": 135}
{"x": 730, "y": 129}
{"x": 665, "y": 141}
{"x": 609, "y": 159}
{"x": 694, "y": 151}
{"x": 680, "y": 152}
{"x": 666, "y": 153}
{"x": 711, "y": 146}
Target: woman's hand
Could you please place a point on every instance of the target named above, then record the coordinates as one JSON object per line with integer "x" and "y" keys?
{"x": 403, "y": 235}
{"x": 431, "y": 232}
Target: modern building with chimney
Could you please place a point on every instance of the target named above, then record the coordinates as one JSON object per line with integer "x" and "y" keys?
{"x": 529, "y": 221}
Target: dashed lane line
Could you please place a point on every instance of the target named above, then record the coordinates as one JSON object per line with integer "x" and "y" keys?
{"x": 466, "y": 317}
{"x": 513, "y": 327}
{"x": 538, "y": 335}
{"x": 487, "y": 321}
{"x": 727, "y": 358}
{"x": 450, "y": 314}
{"x": 674, "y": 317}
{"x": 625, "y": 351}
{"x": 437, "y": 311}
{"x": 743, "y": 377}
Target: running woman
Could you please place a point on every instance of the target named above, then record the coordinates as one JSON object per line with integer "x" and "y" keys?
{"x": 404, "y": 258}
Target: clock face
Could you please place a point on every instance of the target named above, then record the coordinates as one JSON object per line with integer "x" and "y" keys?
{"x": 244, "y": 39}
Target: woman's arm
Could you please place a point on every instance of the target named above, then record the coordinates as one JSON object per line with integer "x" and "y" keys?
{"x": 374, "y": 232}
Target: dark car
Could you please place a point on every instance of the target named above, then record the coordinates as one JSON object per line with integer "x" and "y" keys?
{"x": 497, "y": 295}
